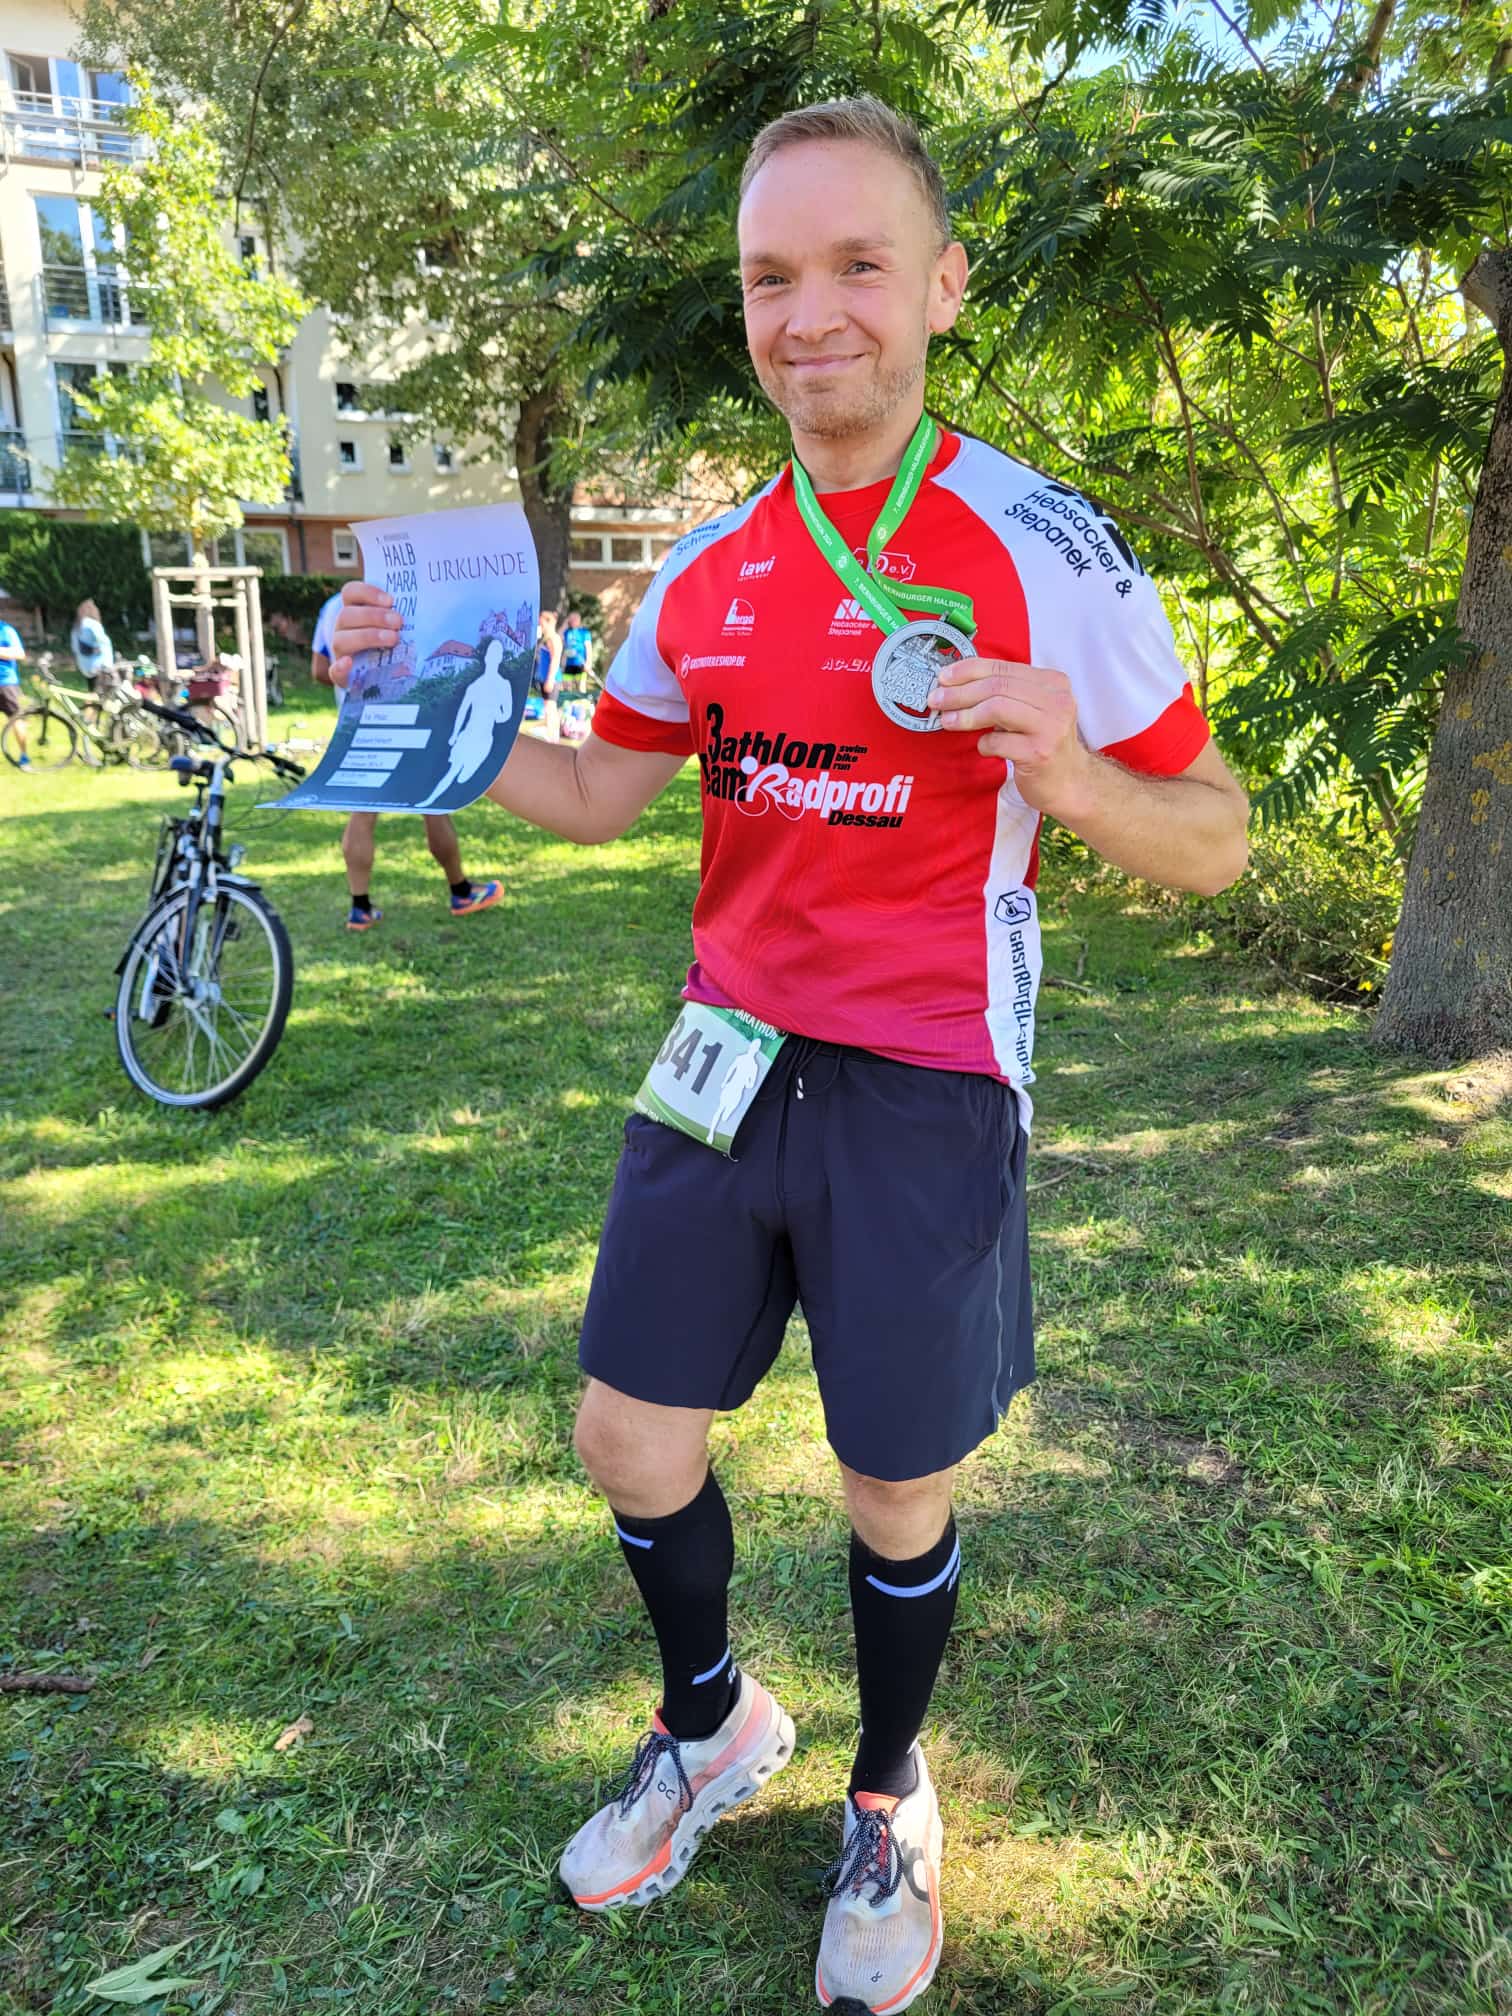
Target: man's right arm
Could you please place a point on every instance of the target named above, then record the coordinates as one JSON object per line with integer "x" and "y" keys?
{"x": 590, "y": 791}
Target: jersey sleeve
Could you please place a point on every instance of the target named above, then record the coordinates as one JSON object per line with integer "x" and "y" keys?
{"x": 1133, "y": 697}
{"x": 643, "y": 706}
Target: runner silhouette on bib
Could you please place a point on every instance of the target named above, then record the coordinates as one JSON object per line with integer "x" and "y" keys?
{"x": 486, "y": 705}
{"x": 737, "y": 1081}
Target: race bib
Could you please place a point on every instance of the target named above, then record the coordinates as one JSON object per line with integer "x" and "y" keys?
{"x": 710, "y": 1067}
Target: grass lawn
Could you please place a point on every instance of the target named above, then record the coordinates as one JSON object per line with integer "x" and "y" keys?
{"x": 285, "y": 1406}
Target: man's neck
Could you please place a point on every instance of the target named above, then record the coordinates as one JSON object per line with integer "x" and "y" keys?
{"x": 851, "y": 461}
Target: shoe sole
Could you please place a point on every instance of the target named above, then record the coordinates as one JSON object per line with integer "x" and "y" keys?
{"x": 472, "y": 909}
{"x": 721, "y": 1796}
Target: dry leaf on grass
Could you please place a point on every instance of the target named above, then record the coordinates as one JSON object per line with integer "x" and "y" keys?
{"x": 295, "y": 1731}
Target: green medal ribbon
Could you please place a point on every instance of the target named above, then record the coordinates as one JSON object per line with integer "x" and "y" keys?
{"x": 864, "y": 583}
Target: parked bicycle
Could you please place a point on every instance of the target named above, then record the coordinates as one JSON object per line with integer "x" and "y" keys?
{"x": 207, "y": 977}
{"x": 111, "y": 725}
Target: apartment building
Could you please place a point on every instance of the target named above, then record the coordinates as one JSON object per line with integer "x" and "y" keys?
{"x": 67, "y": 314}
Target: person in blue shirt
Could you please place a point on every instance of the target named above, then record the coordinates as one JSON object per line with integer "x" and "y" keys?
{"x": 12, "y": 657}
{"x": 90, "y": 641}
{"x": 577, "y": 648}
{"x": 358, "y": 837}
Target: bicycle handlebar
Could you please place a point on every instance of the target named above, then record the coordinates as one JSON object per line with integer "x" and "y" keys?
{"x": 183, "y": 719}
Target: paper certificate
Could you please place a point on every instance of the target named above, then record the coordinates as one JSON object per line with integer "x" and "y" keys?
{"x": 426, "y": 726}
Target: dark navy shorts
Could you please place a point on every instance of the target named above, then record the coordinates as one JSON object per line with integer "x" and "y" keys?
{"x": 887, "y": 1199}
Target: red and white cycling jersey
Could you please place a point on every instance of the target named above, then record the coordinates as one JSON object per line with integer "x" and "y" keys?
{"x": 863, "y": 883}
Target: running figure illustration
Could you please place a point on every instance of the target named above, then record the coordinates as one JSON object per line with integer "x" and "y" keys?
{"x": 486, "y": 705}
{"x": 737, "y": 1081}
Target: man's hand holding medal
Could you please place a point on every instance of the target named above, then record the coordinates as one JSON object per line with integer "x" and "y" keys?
{"x": 1029, "y": 715}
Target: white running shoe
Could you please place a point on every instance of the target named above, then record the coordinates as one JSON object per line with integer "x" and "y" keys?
{"x": 640, "y": 1844}
{"x": 883, "y": 1930}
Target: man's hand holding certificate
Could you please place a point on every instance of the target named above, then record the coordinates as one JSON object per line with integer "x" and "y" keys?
{"x": 435, "y": 687}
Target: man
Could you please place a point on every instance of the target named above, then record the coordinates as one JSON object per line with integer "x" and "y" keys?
{"x": 868, "y": 887}
{"x": 577, "y": 648}
{"x": 12, "y": 658}
{"x": 359, "y": 835}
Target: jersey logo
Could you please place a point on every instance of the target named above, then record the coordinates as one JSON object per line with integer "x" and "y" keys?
{"x": 838, "y": 801}
{"x": 850, "y": 619}
{"x": 740, "y": 618}
{"x": 757, "y": 570}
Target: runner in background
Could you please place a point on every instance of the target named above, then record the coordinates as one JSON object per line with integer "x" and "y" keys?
{"x": 12, "y": 657}
{"x": 546, "y": 678}
{"x": 577, "y": 650}
{"x": 359, "y": 835}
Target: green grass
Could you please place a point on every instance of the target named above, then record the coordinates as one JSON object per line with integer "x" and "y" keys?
{"x": 285, "y": 1429}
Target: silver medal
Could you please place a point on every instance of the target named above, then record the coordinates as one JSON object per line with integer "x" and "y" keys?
{"x": 905, "y": 668}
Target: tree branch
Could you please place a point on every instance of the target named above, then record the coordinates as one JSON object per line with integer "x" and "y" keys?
{"x": 257, "y": 89}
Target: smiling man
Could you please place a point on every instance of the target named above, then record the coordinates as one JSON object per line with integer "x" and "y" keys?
{"x": 890, "y": 663}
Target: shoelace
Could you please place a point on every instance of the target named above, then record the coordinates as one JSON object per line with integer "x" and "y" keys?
{"x": 653, "y": 1746}
{"x": 870, "y": 1856}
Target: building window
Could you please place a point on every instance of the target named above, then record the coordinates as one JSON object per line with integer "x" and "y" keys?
{"x": 264, "y": 547}
{"x": 398, "y": 456}
{"x": 349, "y": 455}
{"x": 445, "y": 458}
{"x": 660, "y": 548}
{"x": 346, "y": 396}
{"x": 587, "y": 549}
{"x": 344, "y": 549}
{"x": 31, "y": 76}
{"x": 167, "y": 549}
{"x": 262, "y": 405}
{"x": 628, "y": 552}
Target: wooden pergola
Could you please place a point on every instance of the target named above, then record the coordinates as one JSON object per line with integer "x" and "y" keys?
{"x": 204, "y": 590}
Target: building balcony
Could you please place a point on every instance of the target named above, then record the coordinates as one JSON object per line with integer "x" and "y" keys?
{"x": 6, "y": 325}
{"x": 89, "y": 297}
{"x": 82, "y": 132}
{"x": 15, "y": 469}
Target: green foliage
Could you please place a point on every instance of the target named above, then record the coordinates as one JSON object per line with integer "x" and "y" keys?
{"x": 1318, "y": 905}
{"x": 185, "y": 461}
{"x": 298, "y": 596}
{"x": 52, "y": 564}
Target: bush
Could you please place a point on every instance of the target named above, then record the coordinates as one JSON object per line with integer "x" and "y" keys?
{"x": 1316, "y": 904}
{"x": 52, "y": 564}
{"x": 299, "y": 596}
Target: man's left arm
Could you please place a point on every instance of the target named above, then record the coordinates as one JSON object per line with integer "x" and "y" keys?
{"x": 11, "y": 646}
{"x": 1186, "y": 831}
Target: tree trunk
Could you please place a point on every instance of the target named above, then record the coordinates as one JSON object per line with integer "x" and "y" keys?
{"x": 548, "y": 511}
{"x": 204, "y": 615}
{"x": 1449, "y": 992}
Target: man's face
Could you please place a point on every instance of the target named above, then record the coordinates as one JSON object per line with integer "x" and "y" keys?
{"x": 844, "y": 282}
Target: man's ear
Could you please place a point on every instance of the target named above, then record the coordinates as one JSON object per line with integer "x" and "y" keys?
{"x": 947, "y": 288}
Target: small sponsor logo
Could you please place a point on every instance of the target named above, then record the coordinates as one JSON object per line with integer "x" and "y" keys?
{"x": 740, "y": 618}
{"x": 757, "y": 570}
{"x": 1015, "y": 908}
{"x": 850, "y": 619}
{"x": 1085, "y": 538}
{"x": 846, "y": 665}
{"x": 839, "y": 801}
{"x": 721, "y": 661}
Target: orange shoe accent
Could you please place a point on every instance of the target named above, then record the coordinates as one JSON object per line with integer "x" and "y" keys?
{"x": 654, "y": 1867}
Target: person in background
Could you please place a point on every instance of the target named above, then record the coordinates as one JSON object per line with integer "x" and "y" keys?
{"x": 358, "y": 837}
{"x": 12, "y": 657}
{"x": 547, "y": 676}
{"x": 90, "y": 643}
{"x": 577, "y": 648}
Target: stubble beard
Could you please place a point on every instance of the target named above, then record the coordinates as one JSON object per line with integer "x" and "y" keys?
{"x": 826, "y": 418}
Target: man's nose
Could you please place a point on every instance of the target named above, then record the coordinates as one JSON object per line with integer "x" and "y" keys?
{"x": 816, "y": 312}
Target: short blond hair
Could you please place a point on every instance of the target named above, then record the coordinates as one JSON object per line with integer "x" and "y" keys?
{"x": 864, "y": 118}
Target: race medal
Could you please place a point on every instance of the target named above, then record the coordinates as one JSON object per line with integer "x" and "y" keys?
{"x": 906, "y": 666}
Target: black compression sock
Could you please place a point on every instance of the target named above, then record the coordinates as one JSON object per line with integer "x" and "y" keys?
{"x": 362, "y": 902}
{"x": 903, "y": 1612}
{"x": 462, "y": 888}
{"x": 682, "y": 1566}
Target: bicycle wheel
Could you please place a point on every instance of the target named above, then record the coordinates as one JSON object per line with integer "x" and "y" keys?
{"x": 196, "y": 1030}
{"x": 146, "y": 746}
{"x": 51, "y": 739}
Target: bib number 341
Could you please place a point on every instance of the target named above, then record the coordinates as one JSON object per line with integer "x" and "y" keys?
{"x": 710, "y": 1066}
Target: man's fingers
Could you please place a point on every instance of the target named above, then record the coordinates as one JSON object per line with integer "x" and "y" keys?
{"x": 349, "y": 640}
{"x": 992, "y": 711}
{"x": 357, "y": 594}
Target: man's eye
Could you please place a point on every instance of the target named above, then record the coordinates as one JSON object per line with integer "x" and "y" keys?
{"x": 866, "y": 265}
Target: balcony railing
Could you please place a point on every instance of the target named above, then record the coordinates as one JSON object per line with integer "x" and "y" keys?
{"x": 85, "y": 132}
{"x": 15, "y": 469}
{"x": 5, "y": 312}
{"x": 94, "y": 295}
